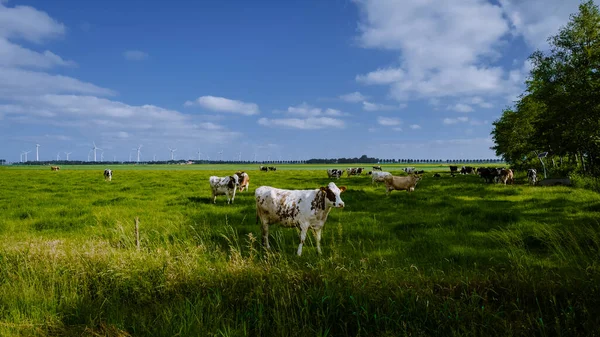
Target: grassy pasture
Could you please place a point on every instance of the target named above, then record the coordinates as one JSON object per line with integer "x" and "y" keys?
{"x": 456, "y": 257}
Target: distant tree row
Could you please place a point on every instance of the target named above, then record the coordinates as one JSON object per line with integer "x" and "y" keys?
{"x": 558, "y": 115}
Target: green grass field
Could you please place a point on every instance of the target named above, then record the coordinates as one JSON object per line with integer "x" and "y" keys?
{"x": 457, "y": 257}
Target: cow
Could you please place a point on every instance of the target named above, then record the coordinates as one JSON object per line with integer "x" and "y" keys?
{"x": 263, "y": 168}
{"x": 350, "y": 171}
{"x": 303, "y": 209}
{"x": 244, "y": 180}
{"x": 54, "y": 168}
{"x": 379, "y": 176}
{"x": 272, "y": 168}
{"x": 377, "y": 168}
{"x": 334, "y": 173}
{"x": 419, "y": 172}
{"x": 532, "y": 176}
{"x": 453, "y": 169}
{"x": 506, "y": 176}
{"x": 409, "y": 169}
{"x": 401, "y": 183}
{"x": 437, "y": 175}
{"x": 224, "y": 186}
{"x": 108, "y": 174}
{"x": 489, "y": 174}
{"x": 467, "y": 170}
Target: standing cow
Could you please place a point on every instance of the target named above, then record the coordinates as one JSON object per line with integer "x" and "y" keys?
{"x": 401, "y": 183}
{"x": 532, "y": 176}
{"x": 108, "y": 175}
{"x": 296, "y": 208}
{"x": 244, "y": 180}
{"x": 224, "y": 186}
{"x": 379, "y": 176}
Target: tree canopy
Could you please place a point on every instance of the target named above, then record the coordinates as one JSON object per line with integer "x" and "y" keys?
{"x": 559, "y": 112}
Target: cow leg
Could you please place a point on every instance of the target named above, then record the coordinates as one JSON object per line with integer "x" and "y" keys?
{"x": 214, "y": 197}
{"x": 265, "y": 234}
{"x": 303, "y": 230}
{"x": 317, "y": 233}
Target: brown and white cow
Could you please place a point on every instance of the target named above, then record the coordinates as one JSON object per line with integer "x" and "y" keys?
{"x": 303, "y": 209}
{"x": 506, "y": 176}
{"x": 401, "y": 183}
{"x": 223, "y": 186}
{"x": 244, "y": 180}
{"x": 54, "y": 168}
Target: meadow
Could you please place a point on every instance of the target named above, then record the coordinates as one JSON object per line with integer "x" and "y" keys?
{"x": 457, "y": 257}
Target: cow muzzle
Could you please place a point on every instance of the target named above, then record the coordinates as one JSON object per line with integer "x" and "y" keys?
{"x": 340, "y": 205}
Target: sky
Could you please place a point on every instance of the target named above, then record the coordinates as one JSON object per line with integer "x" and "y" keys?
{"x": 279, "y": 80}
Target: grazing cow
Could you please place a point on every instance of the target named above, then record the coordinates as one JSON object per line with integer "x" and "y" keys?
{"x": 296, "y": 208}
{"x": 272, "y": 168}
{"x": 467, "y": 170}
{"x": 377, "y": 168}
{"x": 401, "y": 183}
{"x": 453, "y": 169}
{"x": 263, "y": 168}
{"x": 108, "y": 174}
{"x": 54, "y": 168}
{"x": 506, "y": 175}
{"x": 532, "y": 176}
{"x": 379, "y": 177}
{"x": 489, "y": 174}
{"x": 419, "y": 172}
{"x": 353, "y": 171}
{"x": 437, "y": 175}
{"x": 244, "y": 180}
{"x": 224, "y": 186}
{"x": 334, "y": 173}
{"x": 409, "y": 169}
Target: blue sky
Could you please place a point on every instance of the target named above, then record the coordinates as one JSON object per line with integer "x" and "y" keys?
{"x": 271, "y": 79}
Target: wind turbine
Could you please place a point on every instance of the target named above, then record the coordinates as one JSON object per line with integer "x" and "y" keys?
{"x": 255, "y": 156}
{"x": 95, "y": 148}
{"x": 58, "y": 156}
{"x": 221, "y": 155}
{"x": 240, "y": 158}
{"x": 37, "y": 152}
{"x": 89, "y": 155}
{"x": 154, "y": 158}
{"x": 138, "y": 152}
{"x": 22, "y": 153}
{"x": 172, "y": 151}
{"x": 25, "y": 153}
{"x": 102, "y": 156}
{"x": 68, "y": 153}
{"x": 199, "y": 154}
{"x": 129, "y": 156}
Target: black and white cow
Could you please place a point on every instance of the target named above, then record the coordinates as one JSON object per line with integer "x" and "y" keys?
{"x": 303, "y": 209}
{"x": 224, "y": 186}
{"x": 532, "y": 176}
{"x": 108, "y": 175}
{"x": 334, "y": 173}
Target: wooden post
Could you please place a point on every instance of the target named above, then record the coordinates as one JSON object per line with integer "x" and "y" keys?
{"x": 137, "y": 233}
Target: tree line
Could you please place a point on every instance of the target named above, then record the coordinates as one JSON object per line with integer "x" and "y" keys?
{"x": 558, "y": 114}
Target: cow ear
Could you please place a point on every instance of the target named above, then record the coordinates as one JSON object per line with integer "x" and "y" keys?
{"x": 323, "y": 188}
{"x": 342, "y": 189}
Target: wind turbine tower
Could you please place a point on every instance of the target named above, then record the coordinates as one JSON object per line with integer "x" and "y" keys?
{"x": 25, "y": 153}
{"x": 138, "y": 152}
{"x": 37, "y": 152}
{"x": 58, "y": 156}
{"x": 172, "y": 151}
{"x": 68, "y": 153}
{"x": 221, "y": 155}
{"x": 102, "y": 156}
{"x": 199, "y": 154}
{"x": 95, "y": 148}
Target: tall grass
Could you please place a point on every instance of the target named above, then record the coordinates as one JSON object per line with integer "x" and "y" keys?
{"x": 456, "y": 257}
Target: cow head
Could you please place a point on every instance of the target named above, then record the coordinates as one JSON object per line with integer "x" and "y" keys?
{"x": 332, "y": 195}
{"x": 233, "y": 181}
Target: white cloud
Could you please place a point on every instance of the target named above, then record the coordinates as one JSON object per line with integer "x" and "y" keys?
{"x": 311, "y": 123}
{"x": 480, "y": 102}
{"x": 28, "y": 23}
{"x": 460, "y": 107}
{"x": 477, "y": 122}
{"x": 449, "y": 121}
{"x": 222, "y": 104}
{"x": 353, "y": 97}
{"x": 16, "y": 82}
{"x": 536, "y": 20}
{"x": 388, "y": 121}
{"x": 13, "y": 55}
{"x": 415, "y": 126}
{"x": 135, "y": 55}
{"x": 381, "y": 76}
{"x": 368, "y": 106}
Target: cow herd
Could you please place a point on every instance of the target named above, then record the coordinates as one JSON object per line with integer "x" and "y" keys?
{"x": 308, "y": 209}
